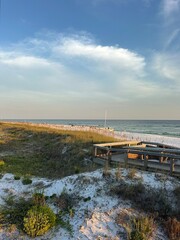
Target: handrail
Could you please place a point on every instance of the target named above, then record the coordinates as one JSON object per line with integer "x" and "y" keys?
{"x": 160, "y": 144}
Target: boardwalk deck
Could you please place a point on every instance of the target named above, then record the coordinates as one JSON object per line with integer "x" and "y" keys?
{"x": 153, "y": 156}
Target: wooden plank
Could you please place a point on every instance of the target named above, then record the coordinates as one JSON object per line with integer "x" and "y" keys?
{"x": 117, "y": 144}
{"x": 135, "y": 163}
{"x": 177, "y": 151}
{"x": 158, "y": 154}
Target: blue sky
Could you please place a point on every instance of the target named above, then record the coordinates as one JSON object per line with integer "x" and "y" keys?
{"x": 80, "y": 58}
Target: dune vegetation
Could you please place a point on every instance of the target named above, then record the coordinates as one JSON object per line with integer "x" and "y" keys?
{"x": 27, "y": 149}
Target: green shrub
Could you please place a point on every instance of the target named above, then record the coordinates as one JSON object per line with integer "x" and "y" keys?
{"x": 16, "y": 177}
{"x": 54, "y": 195}
{"x": 2, "y": 163}
{"x": 39, "y": 220}
{"x": 87, "y": 199}
{"x": 26, "y": 181}
{"x": 14, "y": 210}
{"x": 77, "y": 170}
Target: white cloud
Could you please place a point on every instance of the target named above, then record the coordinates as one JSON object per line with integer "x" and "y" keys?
{"x": 169, "y": 7}
{"x": 119, "y": 58}
{"x": 167, "y": 66}
{"x": 22, "y": 61}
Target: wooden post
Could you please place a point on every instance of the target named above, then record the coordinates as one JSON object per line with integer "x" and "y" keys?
{"x": 171, "y": 166}
{"x": 109, "y": 156}
{"x": 145, "y": 161}
{"x": 126, "y": 159}
{"x": 95, "y": 151}
{"x": 161, "y": 159}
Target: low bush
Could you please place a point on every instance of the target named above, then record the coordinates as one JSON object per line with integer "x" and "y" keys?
{"x": 156, "y": 201}
{"x": 16, "y": 177}
{"x": 2, "y": 163}
{"x": 150, "y": 200}
{"x": 77, "y": 170}
{"x": 64, "y": 202}
{"x": 39, "y": 220}
{"x": 53, "y": 196}
{"x": 129, "y": 191}
{"x": 14, "y": 210}
{"x": 87, "y": 199}
{"x": 34, "y": 216}
{"x": 26, "y": 181}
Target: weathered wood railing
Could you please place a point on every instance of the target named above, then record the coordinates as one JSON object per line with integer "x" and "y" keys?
{"x": 137, "y": 154}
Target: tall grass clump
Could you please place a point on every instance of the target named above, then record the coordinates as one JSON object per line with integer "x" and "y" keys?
{"x": 142, "y": 228}
{"x": 172, "y": 226}
{"x": 132, "y": 173}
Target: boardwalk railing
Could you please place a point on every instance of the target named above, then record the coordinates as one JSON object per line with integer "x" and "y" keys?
{"x": 146, "y": 155}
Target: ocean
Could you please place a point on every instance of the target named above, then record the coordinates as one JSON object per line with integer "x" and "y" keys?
{"x": 170, "y": 128}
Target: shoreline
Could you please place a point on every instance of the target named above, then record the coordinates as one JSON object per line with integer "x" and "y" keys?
{"x": 173, "y": 141}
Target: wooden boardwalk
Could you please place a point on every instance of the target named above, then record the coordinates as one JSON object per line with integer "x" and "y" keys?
{"x": 144, "y": 155}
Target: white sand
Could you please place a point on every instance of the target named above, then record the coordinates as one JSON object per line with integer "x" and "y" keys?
{"x": 94, "y": 219}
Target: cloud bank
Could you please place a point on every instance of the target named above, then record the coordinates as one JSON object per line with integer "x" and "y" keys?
{"x": 77, "y": 76}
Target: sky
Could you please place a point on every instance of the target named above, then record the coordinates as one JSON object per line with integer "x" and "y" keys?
{"x": 77, "y": 59}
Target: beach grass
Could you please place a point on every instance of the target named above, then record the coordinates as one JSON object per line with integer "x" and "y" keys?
{"x": 43, "y": 151}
